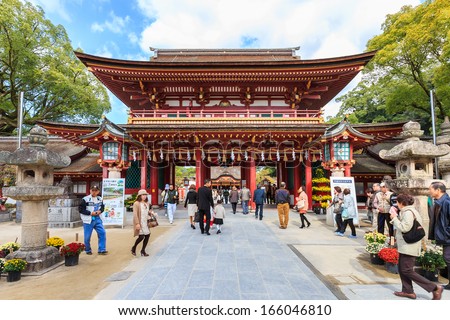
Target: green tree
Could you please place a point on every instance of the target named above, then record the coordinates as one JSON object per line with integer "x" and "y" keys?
{"x": 413, "y": 57}
{"x": 36, "y": 57}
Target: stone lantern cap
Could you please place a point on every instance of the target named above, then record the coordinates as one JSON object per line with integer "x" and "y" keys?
{"x": 36, "y": 153}
{"x": 413, "y": 147}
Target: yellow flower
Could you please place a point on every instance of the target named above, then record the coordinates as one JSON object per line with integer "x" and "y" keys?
{"x": 55, "y": 242}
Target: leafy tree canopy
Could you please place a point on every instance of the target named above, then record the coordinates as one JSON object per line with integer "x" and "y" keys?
{"x": 413, "y": 57}
{"x": 36, "y": 57}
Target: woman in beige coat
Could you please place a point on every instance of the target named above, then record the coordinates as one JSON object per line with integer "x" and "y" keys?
{"x": 408, "y": 252}
{"x": 140, "y": 217}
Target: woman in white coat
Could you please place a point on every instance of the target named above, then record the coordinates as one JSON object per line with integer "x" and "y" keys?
{"x": 348, "y": 214}
{"x": 403, "y": 222}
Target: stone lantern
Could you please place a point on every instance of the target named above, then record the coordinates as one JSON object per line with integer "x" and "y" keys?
{"x": 414, "y": 166}
{"x": 444, "y": 162}
{"x": 34, "y": 186}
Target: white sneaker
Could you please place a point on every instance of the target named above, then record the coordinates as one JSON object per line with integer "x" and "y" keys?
{"x": 171, "y": 222}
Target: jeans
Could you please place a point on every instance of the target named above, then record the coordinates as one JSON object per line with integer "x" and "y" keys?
{"x": 226, "y": 199}
{"x": 259, "y": 209}
{"x": 97, "y": 225}
{"x": 171, "y": 208}
{"x": 245, "y": 206}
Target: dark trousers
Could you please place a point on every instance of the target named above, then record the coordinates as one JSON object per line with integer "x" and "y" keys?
{"x": 144, "y": 244}
{"x": 408, "y": 275}
{"x": 259, "y": 209}
{"x": 382, "y": 219}
{"x": 234, "y": 206}
{"x": 226, "y": 199}
{"x": 350, "y": 223}
{"x": 339, "y": 222}
{"x": 303, "y": 219}
{"x": 203, "y": 213}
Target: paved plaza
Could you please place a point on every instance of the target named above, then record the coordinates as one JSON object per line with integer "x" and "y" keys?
{"x": 255, "y": 259}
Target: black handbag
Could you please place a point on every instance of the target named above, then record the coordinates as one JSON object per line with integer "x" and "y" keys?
{"x": 197, "y": 216}
{"x": 415, "y": 234}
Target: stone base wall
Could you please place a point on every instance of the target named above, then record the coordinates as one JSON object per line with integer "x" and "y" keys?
{"x": 63, "y": 213}
{"x": 5, "y": 216}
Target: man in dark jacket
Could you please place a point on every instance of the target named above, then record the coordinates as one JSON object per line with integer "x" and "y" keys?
{"x": 259, "y": 196}
{"x": 440, "y": 221}
{"x": 204, "y": 203}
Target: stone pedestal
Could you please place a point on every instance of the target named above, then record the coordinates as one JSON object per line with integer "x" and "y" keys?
{"x": 34, "y": 187}
{"x": 63, "y": 211}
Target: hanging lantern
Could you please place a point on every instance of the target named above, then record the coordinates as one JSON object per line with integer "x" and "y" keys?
{"x": 179, "y": 153}
{"x": 154, "y": 157}
{"x": 270, "y": 155}
{"x": 314, "y": 159}
{"x": 301, "y": 156}
{"x": 239, "y": 156}
{"x": 285, "y": 158}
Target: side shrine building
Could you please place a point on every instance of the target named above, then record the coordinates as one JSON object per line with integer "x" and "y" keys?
{"x": 235, "y": 108}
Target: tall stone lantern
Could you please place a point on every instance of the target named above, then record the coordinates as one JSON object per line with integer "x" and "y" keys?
{"x": 444, "y": 162}
{"x": 34, "y": 186}
{"x": 414, "y": 166}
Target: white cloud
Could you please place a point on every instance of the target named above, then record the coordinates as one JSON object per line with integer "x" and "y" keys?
{"x": 54, "y": 7}
{"x": 322, "y": 28}
{"x": 133, "y": 38}
{"x": 116, "y": 24}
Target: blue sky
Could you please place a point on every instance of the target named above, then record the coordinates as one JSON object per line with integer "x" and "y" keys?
{"x": 125, "y": 29}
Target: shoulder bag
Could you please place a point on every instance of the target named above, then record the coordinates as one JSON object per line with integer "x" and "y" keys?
{"x": 416, "y": 233}
{"x": 152, "y": 221}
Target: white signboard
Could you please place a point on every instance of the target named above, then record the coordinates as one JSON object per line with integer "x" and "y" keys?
{"x": 113, "y": 193}
{"x": 346, "y": 182}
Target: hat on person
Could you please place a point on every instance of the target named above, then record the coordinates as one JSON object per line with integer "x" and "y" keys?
{"x": 141, "y": 192}
{"x": 382, "y": 184}
{"x": 95, "y": 188}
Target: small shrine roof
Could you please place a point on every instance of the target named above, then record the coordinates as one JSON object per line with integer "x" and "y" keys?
{"x": 342, "y": 127}
{"x": 367, "y": 164}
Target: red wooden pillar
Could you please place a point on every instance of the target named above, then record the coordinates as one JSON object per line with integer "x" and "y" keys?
{"x": 104, "y": 174}
{"x": 198, "y": 168}
{"x": 166, "y": 172}
{"x": 143, "y": 169}
{"x": 252, "y": 178}
{"x": 297, "y": 180}
{"x": 347, "y": 171}
{"x": 154, "y": 191}
{"x": 308, "y": 182}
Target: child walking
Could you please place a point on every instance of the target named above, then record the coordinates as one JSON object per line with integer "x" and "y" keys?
{"x": 219, "y": 215}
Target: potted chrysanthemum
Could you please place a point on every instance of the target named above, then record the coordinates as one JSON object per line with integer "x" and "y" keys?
{"x": 390, "y": 257}
{"x": 374, "y": 243}
{"x": 14, "y": 268}
{"x": 71, "y": 253}
{"x": 431, "y": 260}
{"x": 56, "y": 242}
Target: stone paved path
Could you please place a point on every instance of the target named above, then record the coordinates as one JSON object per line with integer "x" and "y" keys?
{"x": 246, "y": 261}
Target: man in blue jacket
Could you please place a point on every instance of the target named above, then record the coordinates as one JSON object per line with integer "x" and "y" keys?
{"x": 440, "y": 221}
{"x": 259, "y": 196}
